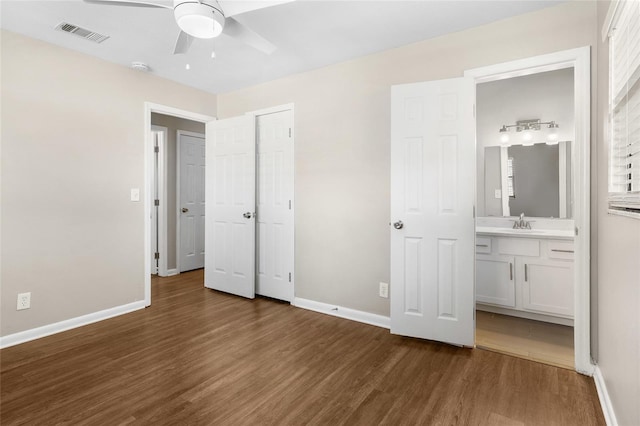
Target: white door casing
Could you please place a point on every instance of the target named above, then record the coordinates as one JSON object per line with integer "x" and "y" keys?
{"x": 580, "y": 60}
{"x": 433, "y": 195}
{"x": 274, "y": 210}
{"x": 150, "y": 108}
{"x": 155, "y": 208}
{"x": 230, "y": 197}
{"x": 158, "y": 180}
{"x": 191, "y": 196}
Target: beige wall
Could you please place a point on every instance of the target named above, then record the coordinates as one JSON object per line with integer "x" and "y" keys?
{"x": 173, "y": 124}
{"x": 72, "y": 147}
{"x": 342, "y": 142}
{"x": 618, "y": 275}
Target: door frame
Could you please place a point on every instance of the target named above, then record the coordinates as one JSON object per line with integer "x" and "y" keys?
{"x": 180, "y": 133}
{"x": 150, "y": 107}
{"x": 580, "y": 60}
{"x": 292, "y": 240}
{"x": 161, "y": 232}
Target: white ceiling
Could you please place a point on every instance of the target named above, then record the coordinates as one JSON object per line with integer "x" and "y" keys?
{"x": 309, "y": 34}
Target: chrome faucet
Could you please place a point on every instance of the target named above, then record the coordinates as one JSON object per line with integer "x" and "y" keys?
{"x": 521, "y": 224}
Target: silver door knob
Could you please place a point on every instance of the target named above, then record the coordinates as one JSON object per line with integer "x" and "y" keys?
{"x": 398, "y": 224}
{"x": 184, "y": 210}
{"x": 247, "y": 215}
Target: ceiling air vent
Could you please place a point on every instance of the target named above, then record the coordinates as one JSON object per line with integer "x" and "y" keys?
{"x": 81, "y": 32}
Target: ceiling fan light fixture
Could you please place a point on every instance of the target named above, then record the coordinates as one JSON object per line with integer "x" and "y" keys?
{"x": 199, "y": 20}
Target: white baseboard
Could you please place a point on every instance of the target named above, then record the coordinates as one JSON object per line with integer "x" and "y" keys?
{"x": 605, "y": 401}
{"x": 49, "y": 329}
{"x": 339, "y": 311}
{"x": 172, "y": 272}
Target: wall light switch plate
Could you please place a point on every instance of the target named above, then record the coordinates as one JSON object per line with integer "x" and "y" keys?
{"x": 384, "y": 290}
{"x": 135, "y": 194}
{"x": 498, "y": 193}
{"x": 24, "y": 301}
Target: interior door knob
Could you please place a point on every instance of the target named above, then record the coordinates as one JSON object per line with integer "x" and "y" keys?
{"x": 185, "y": 210}
{"x": 247, "y": 215}
{"x": 398, "y": 224}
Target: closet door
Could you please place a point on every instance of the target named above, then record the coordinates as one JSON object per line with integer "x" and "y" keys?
{"x": 230, "y": 200}
{"x": 432, "y": 210}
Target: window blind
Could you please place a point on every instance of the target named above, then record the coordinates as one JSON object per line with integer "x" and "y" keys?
{"x": 624, "y": 110}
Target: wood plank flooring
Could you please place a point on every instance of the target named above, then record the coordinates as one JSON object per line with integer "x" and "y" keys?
{"x": 199, "y": 357}
{"x": 525, "y": 338}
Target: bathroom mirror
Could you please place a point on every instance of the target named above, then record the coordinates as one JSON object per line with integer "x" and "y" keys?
{"x": 534, "y": 180}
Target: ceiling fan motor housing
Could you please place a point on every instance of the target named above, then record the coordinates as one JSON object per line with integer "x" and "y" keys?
{"x": 199, "y": 19}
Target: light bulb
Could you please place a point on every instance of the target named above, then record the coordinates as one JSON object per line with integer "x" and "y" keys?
{"x": 504, "y": 138}
{"x": 187, "y": 67}
{"x": 527, "y": 136}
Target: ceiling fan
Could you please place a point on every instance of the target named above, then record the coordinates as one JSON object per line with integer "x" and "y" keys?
{"x": 208, "y": 19}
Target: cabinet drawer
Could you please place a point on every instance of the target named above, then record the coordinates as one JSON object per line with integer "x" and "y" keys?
{"x": 519, "y": 246}
{"x": 560, "y": 250}
{"x": 483, "y": 245}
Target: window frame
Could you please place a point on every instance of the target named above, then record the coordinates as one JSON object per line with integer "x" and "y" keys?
{"x": 627, "y": 202}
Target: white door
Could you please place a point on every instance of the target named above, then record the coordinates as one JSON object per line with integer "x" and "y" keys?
{"x": 274, "y": 208}
{"x": 154, "y": 206}
{"x": 432, "y": 210}
{"x": 230, "y": 195}
{"x": 191, "y": 201}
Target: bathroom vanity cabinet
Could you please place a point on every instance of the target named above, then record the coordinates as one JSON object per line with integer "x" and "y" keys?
{"x": 525, "y": 276}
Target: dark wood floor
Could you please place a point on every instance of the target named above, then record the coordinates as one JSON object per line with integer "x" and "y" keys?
{"x": 202, "y": 357}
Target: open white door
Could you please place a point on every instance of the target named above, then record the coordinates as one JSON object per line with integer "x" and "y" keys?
{"x": 230, "y": 199}
{"x": 191, "y": 196}
{"x": 275, "y": 214}
{"x": 432, "y": 210}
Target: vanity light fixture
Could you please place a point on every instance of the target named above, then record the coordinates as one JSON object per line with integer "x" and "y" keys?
{"x": 526, "y": 128}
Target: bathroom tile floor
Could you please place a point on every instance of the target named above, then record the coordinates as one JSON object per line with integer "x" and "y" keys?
{"x": 534, "y": 340}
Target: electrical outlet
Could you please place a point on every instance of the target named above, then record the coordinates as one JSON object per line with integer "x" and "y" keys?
{"x": 498, "y": 193}
{"x": 24, "y": 301}
{"x": 384, "y": 290}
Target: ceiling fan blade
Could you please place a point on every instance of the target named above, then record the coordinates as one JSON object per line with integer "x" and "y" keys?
{"x": 182, "y": 43}
{"x": 236, "y": 7}
{"x": 238, "y": 31}
{"x": 129, "y": 3}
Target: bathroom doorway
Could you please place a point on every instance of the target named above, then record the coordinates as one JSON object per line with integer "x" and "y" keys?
{"x": 530, "y": 145}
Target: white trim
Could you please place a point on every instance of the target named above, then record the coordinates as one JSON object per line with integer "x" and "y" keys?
{"x": 292, "y": 246}
{"x": 562, "y": 179}
{"x": 524, "y": 314}
{"x": 615, "y": 212}
{"x": 162, "y": 196}
{"x": 342, "y": 312}
{"x": 58, "y": 327}
{"x": 504, "y": 180}
{"x": 612, "y": 16}
{"x": 605, "y": 400}
{"x": 580, "y": 60}
{"x": 149, "y": 108}
{"x": 180, "y": 133}
{"x": 172, "y": 272}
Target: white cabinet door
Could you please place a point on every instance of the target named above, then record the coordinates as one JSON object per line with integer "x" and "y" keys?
{"x": 230, "y": 197}
{"x": 495, "y": 280}
{"x": 432, "y": 197}
{"x": 547, "y": 286}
